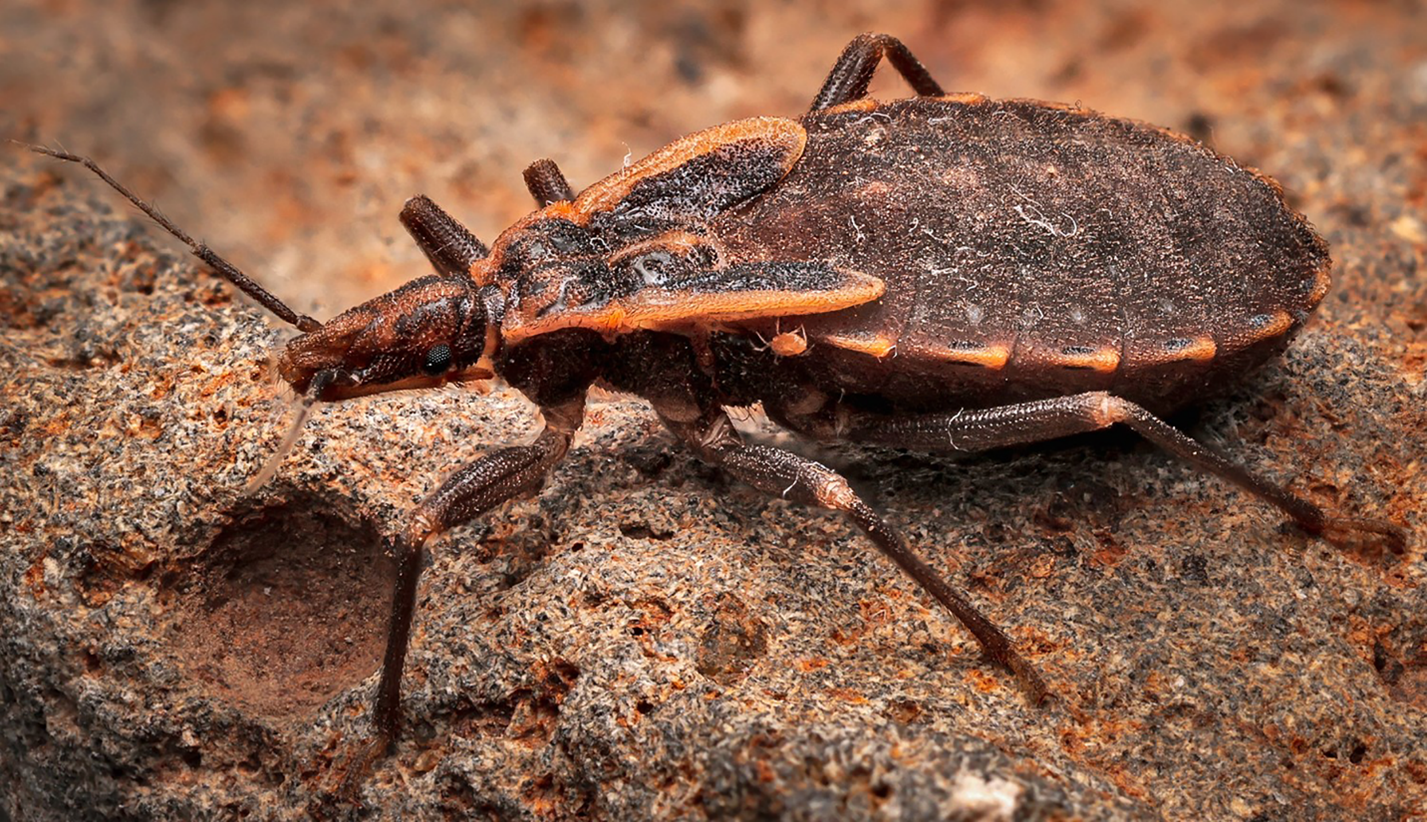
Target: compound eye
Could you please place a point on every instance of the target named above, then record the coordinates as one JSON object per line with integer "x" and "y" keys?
{"x": 438, "y": 359}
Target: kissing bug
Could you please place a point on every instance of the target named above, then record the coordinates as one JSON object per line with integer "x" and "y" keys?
{"x": 963, "y": 274}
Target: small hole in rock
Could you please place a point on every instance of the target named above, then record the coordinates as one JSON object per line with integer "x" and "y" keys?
{"x": 285, "y": 608}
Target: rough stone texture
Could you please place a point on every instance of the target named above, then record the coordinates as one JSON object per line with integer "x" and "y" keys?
{"x": 647, "y": 639}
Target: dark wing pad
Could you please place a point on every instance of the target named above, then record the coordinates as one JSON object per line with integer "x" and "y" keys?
{"x": 691, "y": 180}
{"x": 652, "y": 291}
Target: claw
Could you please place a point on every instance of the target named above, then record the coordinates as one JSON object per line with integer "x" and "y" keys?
{"x": 1031, "y": 683}
{"x": 1340, "y": 529}
{"x": 357, "y": 766}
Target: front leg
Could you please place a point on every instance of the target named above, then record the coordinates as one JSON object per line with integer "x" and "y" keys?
{"x": 546, "y": 183}
{"x": 450, "y": 247}
{"x": 484, "y": 484}
{"x": 784, "y": 474}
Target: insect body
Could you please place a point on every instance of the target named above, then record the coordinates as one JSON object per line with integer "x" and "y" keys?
{"x": 942, "y": 273}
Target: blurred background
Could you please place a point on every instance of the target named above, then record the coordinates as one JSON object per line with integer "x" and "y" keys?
{"x": 288, "y": 135}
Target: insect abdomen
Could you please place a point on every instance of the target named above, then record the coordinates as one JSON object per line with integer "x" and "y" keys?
{"x": 1032, "y": 250}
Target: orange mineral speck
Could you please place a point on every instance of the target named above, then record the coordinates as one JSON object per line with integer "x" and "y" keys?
{"x": 789, "y": 343}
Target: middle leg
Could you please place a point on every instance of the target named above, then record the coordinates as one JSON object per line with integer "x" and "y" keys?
{"x": 782, "y": 473}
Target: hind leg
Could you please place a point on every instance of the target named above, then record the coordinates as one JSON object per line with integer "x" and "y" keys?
{"x": 853, "y": 71}
{"x": 1021, "y": 423}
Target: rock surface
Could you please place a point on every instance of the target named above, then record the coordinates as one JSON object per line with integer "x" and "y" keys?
{"x": 647, "y": 639}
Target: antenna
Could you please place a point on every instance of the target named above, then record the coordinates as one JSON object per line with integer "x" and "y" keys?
{"x": 229, "y": 272}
